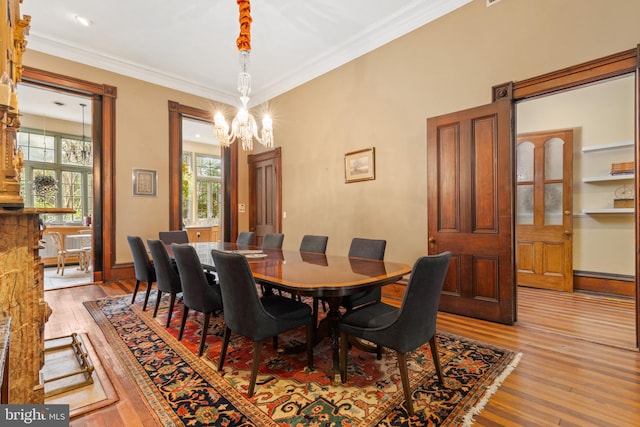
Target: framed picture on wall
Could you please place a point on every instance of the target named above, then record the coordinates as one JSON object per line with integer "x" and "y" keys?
{"x": 360, "y": 165}
{"x": 145, "y": 182}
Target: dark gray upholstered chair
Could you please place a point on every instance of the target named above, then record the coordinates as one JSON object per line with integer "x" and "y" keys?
{"x": 406, "y": 328}
{"x": 175, "y": 236}
{"x": 197, "y": 293}
{"x": 315, "y": 244}
{"x": 272, "y": 241}
{"x": 166, "y": 275}
{"x": 252, "y": 317}
{"x": 143, "y": 268}
{"x": 246, "y": 238}
{"x": 370, "y": 249}
{"x": 311, "y": 243}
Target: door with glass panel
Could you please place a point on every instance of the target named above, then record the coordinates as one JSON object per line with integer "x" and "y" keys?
{"x": 544, "y": 210}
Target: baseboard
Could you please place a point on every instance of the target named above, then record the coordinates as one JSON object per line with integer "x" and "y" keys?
{"x": 604, "y": 283}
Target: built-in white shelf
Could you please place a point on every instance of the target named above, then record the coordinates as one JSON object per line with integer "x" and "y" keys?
{"x": 621, "y": 177}
{"x": 622, "y": 144}
{"x": 609, "y": 211}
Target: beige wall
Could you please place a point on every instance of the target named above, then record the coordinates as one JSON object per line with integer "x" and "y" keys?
{"x": 384, "y": 98}
{"x": 381, "y": 99}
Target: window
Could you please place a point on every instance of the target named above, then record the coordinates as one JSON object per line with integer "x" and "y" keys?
{"x": 69, "y": 160}
{"x": 202, "y": 188}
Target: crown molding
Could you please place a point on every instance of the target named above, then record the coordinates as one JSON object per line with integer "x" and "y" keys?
{"x": 413, "y": 15}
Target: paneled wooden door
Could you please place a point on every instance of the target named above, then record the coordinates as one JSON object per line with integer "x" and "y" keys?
{"x": 544, "y": 210}
{"x": 265, "y": 193}
{"x": 470, "y": 209}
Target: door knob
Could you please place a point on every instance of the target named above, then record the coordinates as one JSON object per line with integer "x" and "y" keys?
{"x": 568, "y": 233}
{"x": 432, "y": 240}
{"x": 567, "y": 213}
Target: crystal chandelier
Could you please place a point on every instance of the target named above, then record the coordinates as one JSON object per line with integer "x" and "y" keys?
{"x": 78, "y": 152}
{"x": 243, "y": 126}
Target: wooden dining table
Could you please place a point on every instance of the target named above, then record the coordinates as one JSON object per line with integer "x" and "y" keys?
{"x": 330, "y": 277}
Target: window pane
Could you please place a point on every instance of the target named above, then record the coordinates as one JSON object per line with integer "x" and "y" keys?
{"x": 202, "y": 193}
{"x": 553, "y": 158}
{"x": 524, "y": 156}
{"x": 553, "y": 204}
{"x": 71, "y": 187}
{"x": 36, "y": 147}
{"x": 76, "y": 152}
{"x": 524, "y": 204}
{"x": 208, "y": 166}
{"x": 90, "y": 194}
{"x": 187, "y": 187}
{"x": 208, "y": 194}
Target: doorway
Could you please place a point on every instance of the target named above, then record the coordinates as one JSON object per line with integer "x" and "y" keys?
{"x": 202, "y": 201}
{"x": 179, "y": 117}
{"x": 55, "y": 139}
{"x": 602, "y": 118}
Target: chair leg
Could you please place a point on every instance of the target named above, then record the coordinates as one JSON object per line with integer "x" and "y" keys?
{"x": 343, "y": 356}
{"x": 275, "y": 342}
{"x": 404, "y": 374}
{"x": 185, "y": 313}
{"x": 223, "y": 350}
{"x": 203, "y": 337}
{"x": 378, "y": 352}
{"x": 172, "y": 303}
{"x": 158, "y": 298}
{"x": 257, "y": 347}
{"x": 436, "y": 358}
{"x": 135, "y": 291}
{"x": 146, "y": 297}
{"x": 310, "y": 335}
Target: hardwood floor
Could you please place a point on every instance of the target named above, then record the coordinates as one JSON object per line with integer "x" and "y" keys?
{"x": 564, "y": 377}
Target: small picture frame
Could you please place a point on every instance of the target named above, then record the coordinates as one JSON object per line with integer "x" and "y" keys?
{"x": 145, "y": 182}
{"x": 360, "y": 165}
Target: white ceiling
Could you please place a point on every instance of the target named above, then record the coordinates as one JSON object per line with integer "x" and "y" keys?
{"x": 191, "y": 45}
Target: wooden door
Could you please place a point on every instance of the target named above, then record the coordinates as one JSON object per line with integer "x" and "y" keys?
{"x": 544, "y": 210}
{"x": 470, "y": 208}
{"x": 265, "y": 199}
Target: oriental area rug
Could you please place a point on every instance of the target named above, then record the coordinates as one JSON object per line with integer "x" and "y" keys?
{"x": 184, "y": 389}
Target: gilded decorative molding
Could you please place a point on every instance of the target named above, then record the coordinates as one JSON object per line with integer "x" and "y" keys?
{"x": 20, "y": 44}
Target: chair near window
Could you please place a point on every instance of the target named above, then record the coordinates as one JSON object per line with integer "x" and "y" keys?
{"x": 252, "y": 317}
{"x": 197, "y": 293}
{"x": 246, "y": 238}
{"x": 64, "y": 254}
{"x": 404, "y": 329}
{"x": 175, "y": 236}
{"x": 166, "y": 275}
{"x": 143, "y": 268}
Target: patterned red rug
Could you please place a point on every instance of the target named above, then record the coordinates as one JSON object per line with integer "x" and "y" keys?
{"x": 183, "y": 389}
